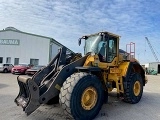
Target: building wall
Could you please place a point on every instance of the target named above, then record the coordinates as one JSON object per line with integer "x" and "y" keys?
{"x": 30, "y": 47}
{"x": 54, "y": 50}
{"x": 147, "y": 65}
{"x": 154, "y": 66}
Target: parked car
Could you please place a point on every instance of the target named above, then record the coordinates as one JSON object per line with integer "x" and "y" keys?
{"x": 34, "y": 69}
{"x": 20, "y": 69}
{"x": 6, "y": 68}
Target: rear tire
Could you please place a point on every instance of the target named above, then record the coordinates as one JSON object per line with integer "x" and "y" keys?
{"x": 82, "y": 96}
{"x": 134, "y": 90}
{"x": 5, "y": 71}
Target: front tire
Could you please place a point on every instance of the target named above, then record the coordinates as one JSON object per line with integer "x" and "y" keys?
{"x": 82, "y": 96}
{"x": 5, "y": 71}
{"x": 134, "y": 90}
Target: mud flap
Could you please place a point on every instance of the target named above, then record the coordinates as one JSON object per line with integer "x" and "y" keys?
{"x": 28, "y": 97}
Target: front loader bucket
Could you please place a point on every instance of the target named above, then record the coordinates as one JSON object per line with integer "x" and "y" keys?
{"x": 28, "y": 96}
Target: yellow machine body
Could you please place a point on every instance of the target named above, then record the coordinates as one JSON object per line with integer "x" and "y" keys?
{"x": 114, "y": 71}
{"x": 81, "y": 84}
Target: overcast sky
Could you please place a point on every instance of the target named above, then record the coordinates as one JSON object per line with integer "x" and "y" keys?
{"x": 68, "y": 20}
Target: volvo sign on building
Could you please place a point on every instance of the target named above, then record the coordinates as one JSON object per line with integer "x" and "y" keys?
{"x": 9, "y": 42}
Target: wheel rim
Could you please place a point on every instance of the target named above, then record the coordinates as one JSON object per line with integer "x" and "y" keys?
{"x": 89, "y": 98}
{"x": 137, "y": 88}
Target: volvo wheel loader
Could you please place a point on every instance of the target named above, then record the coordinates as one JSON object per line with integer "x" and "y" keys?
{"x": 82, "y": 83}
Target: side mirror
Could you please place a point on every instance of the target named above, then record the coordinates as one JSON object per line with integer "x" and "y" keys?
{"x": 79, "y": 41}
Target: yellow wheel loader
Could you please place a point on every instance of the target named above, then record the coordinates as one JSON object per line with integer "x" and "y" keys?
{"x": 81, "y": 84}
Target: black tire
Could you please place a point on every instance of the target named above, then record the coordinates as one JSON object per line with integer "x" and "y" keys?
{"x": 71, "y": 93}
{"x": 129, "y": 95}
{"x": 5, "y": 71}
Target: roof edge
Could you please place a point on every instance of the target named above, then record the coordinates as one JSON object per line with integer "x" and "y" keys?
{"x": 25, "y": 33}
{"x": 51, "y": 39}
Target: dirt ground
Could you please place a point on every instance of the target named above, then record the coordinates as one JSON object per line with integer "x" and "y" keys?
{"x": 147, "y": 109}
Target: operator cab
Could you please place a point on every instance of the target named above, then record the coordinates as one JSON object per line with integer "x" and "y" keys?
{"x": 104, "y": 44}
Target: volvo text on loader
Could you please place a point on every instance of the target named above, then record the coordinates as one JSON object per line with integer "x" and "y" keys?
{"x": 82, "y": 83}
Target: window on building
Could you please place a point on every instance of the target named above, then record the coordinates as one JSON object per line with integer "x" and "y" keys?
{"x": 1, "y": 59}
{"x": 16, "y": 61}
{"x": 8, "y": 60}
{"x": 34, "y": 61}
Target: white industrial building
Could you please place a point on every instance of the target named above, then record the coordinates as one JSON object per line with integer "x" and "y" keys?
{"x": 154, "y": 66}
{"x": 20, "y": 47}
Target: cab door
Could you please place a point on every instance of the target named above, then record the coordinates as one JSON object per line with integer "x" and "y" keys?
{"x": 110, "y": 47}
{"x": 112, "y": 50}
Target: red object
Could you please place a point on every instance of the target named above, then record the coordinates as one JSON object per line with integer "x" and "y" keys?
{"x": 21, "y": 69}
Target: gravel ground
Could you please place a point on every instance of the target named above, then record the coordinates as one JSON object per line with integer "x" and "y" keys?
{"x": 147, "y": 109}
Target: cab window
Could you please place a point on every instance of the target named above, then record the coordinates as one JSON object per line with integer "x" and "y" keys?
{"x": 102, "y": 50}
{"x": 112, "y": 52}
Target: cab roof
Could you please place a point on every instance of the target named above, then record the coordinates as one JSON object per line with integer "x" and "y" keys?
{"x": 105, "y": 32}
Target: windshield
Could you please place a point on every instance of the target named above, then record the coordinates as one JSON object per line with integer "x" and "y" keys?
{"x": 37, "y": 67}
{"x": 23, "y": 65}
{"x": 91, "y": 44}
